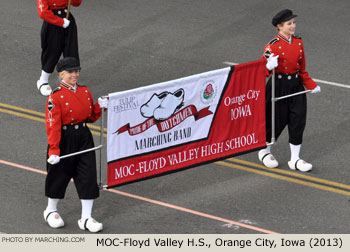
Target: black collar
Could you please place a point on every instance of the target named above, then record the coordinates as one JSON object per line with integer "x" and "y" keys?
{"x": 285, "y": 39}
{"x": 69, "y": 87}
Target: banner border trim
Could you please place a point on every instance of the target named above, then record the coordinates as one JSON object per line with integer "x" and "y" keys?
{"x": 186, "y": 167}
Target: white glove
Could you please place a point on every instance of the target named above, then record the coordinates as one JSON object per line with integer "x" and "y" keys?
{"x": 103, "y": 102}
{"x": 272, "y": 62}
{"x": 316, "y": 90}
{"x": 53, "y": 159}
{"x": 66, "y": 23}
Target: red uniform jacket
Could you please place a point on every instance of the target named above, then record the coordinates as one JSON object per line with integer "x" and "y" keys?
{"x": 66, "y": 106}
{"x": 45, "y": 7}
{"x": 291, "y": 58}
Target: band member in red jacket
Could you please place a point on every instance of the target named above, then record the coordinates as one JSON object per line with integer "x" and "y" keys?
{"x": 285, "y": 53}
{"x": 58, "y": 36}
{"x": 69, "y": 108}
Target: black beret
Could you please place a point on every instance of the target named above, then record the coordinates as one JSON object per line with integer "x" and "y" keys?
{"x": 282, "y": 16}
{"x": 68, "y": 64}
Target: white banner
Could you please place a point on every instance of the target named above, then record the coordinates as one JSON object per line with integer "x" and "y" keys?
{"x": 162, "y": 115}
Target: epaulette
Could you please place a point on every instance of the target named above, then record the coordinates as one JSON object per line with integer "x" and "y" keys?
{"x": 296, "y": 36}
{"x": 56, "y": 89}
{"x": 79, "y": 85}
{"x": 274, "y": 41}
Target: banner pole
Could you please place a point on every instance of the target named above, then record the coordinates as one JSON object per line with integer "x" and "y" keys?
{"x": 101, "y": 143}
{"x": 291, "y": 95}
{"x": 273, "y": 109}
{"x": 81, "y": 152}
{"x": 68, "y": 9}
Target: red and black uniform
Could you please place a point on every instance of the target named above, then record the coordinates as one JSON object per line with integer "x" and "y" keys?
{"x": 290, "y": 77}
{"x": 55, "y": 39}
{"x": 67, "y": 112}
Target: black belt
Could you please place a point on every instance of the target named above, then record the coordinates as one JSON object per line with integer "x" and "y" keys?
{"x": 59, "y": 12}
{"x": 287, "y": 76}
{"x": 74, "y": 126}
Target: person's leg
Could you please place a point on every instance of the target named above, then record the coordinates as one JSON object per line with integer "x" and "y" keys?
{"x": 55, "y": 186}
{"x": 86, "y": 208}
{"x": 71, "y": 48}
{"x": 52, "y": 42}
{"x": 52, "y": 205}
{"x": 267, "y": 158}
{"x": 87, "y": 222}
{"x": 44, "y": 77}
{"x": 85, "y": 181}
{"x": 51, "y": 215}
{"x": 294, "y": 152}
{"x": 265, "y": 155}
{"x": 296, "y": 126}
{"x": 296, "y": 163}
{"x": 56, "y": 182}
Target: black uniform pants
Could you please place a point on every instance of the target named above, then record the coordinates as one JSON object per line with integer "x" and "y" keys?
{"x": 82, "y": 168}
{"x": 290, "y": 111}
{"x": 57, "y": 40}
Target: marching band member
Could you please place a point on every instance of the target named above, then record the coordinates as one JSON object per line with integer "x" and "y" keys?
{"x": 285, "y": 53}
{"x": 58, "y": 35}
{"x": 68, "y": 109}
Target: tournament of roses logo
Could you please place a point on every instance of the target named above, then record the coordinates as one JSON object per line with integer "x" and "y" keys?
{"x": 166, "y": 110}
{"x": 208, "y": 92}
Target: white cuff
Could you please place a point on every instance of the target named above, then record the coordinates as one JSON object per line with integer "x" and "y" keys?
{"x": 66, "y": 23}
{"x": 53, "y": 159}
{"x": 103, "y": 102}
{"x": 316, "y": 90}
